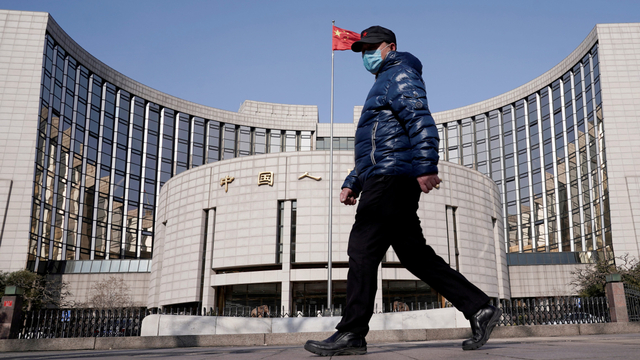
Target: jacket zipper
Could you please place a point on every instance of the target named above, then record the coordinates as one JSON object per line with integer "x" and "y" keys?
{"x": 373, "y": 142}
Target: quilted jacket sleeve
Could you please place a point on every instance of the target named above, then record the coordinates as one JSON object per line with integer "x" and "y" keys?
{"x": 408, "y": 98}
{"x": 352, "y": 182}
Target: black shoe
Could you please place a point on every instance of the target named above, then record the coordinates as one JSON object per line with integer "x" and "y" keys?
{"x": 340, "y": 343}
{"x": 482, "y": 323}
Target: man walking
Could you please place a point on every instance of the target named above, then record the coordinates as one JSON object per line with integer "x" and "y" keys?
{"x": 396, "y": 155}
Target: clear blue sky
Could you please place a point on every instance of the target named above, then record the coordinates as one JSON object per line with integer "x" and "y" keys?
{"x": 220, "y": 53}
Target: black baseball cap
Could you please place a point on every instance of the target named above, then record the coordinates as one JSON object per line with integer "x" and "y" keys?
{"x": 374, "y": 35}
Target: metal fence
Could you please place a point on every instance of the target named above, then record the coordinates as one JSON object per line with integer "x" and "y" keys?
{"x": 252, "y": 311}
{"x": 552, "y": 311}
{"x": 296, "y": 311}
{"x": 632, "y": 295}
{"x": 398, "y": 306}
{"x": 73, "y": 323}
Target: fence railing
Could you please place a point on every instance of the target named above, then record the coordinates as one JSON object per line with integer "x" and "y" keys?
{"x": 552, "y": 311}
{"x": 296, "y": 311}
{"x": 73, "y": 323}
{"x": 632, "y": 295}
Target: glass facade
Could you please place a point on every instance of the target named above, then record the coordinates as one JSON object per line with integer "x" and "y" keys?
{"x": 234, "y": 299}
{"x": 416, "y": 294}
{"x": 309, "y": 297}
{"x": 546, "y": 154}
{"x": 339, "y": 143}
{"x": 102, "y": 155}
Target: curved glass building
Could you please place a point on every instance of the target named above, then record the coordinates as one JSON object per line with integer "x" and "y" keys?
{"x": 86, "y": 152}
{"x": 546, "y": 152}
{"x": 103, "y": 153}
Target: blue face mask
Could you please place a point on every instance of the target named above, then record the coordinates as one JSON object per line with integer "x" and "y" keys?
{"x": 372, "y": 59}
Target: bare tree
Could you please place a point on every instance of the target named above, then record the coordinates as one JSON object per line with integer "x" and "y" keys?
{"x": 111, "y": 293}
{"x": 39, "y": 291}
{"x": 590, "y": 281}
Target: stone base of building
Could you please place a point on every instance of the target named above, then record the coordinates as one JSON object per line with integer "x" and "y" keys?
{"x": 177, "y": 325}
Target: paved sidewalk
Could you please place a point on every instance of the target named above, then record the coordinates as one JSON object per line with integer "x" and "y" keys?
{"x": 619, "y": 346}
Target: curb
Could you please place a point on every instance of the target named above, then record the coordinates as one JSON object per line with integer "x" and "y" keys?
{"x": 272, "y": 339}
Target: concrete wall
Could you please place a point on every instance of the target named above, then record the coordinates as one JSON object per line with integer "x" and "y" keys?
{"x": 5, "y": 197}
{"x": 542, "y": 280}
{"x": 339, "y": 130}
{"x": 619, "y": 55}
{"x": 21, "y": 46}
{"x": 172, "y": 325}
{"x": 80, "y": 285}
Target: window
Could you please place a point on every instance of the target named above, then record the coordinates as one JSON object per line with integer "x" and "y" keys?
{"x": 213, "y": 147}
{"x": 468, "y": 146}
{"x": 244, "y": 141}
{"x": 198, "y": 154}
{"x": 275, "y": 141}
{"x": 260, "y": 141}
{"x": 339, "y": 143}
{"x": 184, "y": 138}
{"x": 482, "y": 146}
{"x": 241, "y": 299}
{"x": 416, "y": 294}
{"x": 309, "y": 297}
{"x": 229, "y": 141}
{"x": 291, "y": 141}
{"x": 166, "y": 164}
{"x": 305, "y": 140}
{"x": 453, "y": 142}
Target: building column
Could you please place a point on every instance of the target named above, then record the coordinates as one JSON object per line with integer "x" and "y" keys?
{"x": 285, "y": 291}
{"x": 452, "y": 237}
{"x": 208, "y": 291}
{"x": 617, "y": 301}
{"x": 378, "y": 306}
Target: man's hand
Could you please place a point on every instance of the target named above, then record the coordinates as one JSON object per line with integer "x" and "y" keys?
{"x": 428, "y": 182}
{"x": 347, "y": 197}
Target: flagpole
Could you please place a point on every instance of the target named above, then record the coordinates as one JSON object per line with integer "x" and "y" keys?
{"x": 329, "y": 265}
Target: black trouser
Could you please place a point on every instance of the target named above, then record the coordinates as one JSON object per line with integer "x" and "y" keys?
{"x": 387, "y": 216}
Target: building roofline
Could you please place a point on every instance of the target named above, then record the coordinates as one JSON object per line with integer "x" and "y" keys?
{"x": 267, "y": 115}
{"x": 525, "y": 90}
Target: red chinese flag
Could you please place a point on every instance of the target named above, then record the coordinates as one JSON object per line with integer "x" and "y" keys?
{"x": 342, "y": 39}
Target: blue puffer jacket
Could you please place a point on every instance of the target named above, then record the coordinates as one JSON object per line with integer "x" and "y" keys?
{"x": 396, "y": 134}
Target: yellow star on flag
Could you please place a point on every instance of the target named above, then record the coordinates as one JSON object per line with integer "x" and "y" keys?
{"x": 342, "y": 39}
